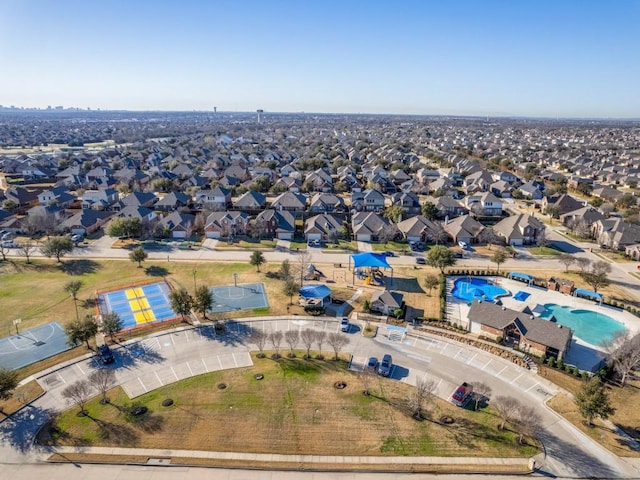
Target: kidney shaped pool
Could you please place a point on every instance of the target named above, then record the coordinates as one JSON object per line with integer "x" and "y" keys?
{"x": 592, "y": 327}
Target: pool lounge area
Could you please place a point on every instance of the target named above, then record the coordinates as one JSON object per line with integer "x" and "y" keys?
{"x": 591, "y": 322}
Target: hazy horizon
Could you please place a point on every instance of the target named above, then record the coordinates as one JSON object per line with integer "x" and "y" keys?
{"x": 544, "y": 59}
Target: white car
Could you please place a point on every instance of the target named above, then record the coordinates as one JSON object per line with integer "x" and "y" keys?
{"x": 9, "y": 244}
{"x": 463, "y": 245}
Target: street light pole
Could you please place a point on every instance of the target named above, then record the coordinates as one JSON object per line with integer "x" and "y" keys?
{"x": 195, "y": 270}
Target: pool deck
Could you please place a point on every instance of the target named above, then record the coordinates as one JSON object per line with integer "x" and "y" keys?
{"x": 581, "y": 354}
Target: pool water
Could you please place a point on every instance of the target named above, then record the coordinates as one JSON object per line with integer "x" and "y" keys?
{"x": 590, "y": 326}
{"x": 471, "y": 289}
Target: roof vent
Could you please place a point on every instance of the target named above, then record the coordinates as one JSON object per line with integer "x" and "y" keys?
{"x": 530, "y": 317}
{"x": 559, "y": 326}
{"x": 504, "y": 308}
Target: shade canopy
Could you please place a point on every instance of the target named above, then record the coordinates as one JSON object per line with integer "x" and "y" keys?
{"x": 315, "y": 291}
{"x": 521, "y": 276}
{"x": 368, "y": 259}
{"x": 588, "y": 293}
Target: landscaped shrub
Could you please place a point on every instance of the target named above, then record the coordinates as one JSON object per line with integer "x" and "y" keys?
{"x": 560, "y": 364}
{"x": 543, "y": 358}
{"x": 551, "y": 362}
{"x": 499, "y": 340}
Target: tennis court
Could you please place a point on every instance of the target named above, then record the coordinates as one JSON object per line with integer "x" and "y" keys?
{"x": 31, "y": 346}
{"x": 138, "y": 305}
{"x": 238, "y": 297}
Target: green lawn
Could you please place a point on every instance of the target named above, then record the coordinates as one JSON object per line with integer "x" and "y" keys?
{"x": 393, "y": 246}
{"x": 544, "y": 251}
{"x": 295, "y": 408}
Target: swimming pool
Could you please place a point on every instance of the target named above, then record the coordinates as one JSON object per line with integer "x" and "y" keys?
{"x": 592, "y": 327}
{"x": 471, "y": 289}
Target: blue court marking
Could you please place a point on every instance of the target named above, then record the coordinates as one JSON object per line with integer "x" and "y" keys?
{"x": 151, "y": 290}
{"x": 33, "y": 345}
{"x": 240, "y": 297}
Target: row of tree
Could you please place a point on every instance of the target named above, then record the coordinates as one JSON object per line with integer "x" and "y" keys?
{"x": 307, "y": 337}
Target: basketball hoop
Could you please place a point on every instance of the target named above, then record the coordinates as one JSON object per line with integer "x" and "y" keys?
{"x": 17, "y": 322}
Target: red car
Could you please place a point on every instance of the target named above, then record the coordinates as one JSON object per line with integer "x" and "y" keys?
{"x": 462, "y": 394}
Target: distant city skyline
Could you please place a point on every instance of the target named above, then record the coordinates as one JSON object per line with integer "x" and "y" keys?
{"x": 496, "y": 58}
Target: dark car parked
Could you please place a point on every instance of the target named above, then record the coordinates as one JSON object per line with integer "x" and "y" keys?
{"x": 105, "y": 354}
{"x": 385, "y": 365}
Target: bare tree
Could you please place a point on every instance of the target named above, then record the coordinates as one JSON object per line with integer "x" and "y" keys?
{"x": 259, "y": 337}
{"x": 582, "y": 263}
{"x": 337, "y": 342}
{"x": 419, "y": 398}
{"x": 276, "y": 340}
{"x": 367, "y": 375}
{"x": 3, "y": 251}
{"x": 543, "y": 238}
{"x": 528, "y": 422}
{"x": 321, "y": 337}
{"x": 77, "y": 394}
{"x": 303, "y": 259}
{"x": 292, "y": 337}
{"x": 431, "y": 281}
{"x": 623, "y": 354}
{"x": 26, "y": 249}
{"x": 480, "y": 392}
{"x": 598, "y": 274}
{"x": 308, "y": 336}
{"x": 567, "y": 260}
{"x": 507, "y": 408}
{"x": 103, "y": 380}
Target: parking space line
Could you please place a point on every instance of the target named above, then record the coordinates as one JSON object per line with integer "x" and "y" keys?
{"x": 143, "y": 386}
{"x": 532, "y": 386}
{"x": 458, "y": 353}
{"x": 174, "y": 373}
{"x": 172, "y": 341}
{"x": 62, "y": 378}
{"x": 471, "y": 360}
{"x": 500, "y": 372}
{"x": 186, "y": 335}
{"x": 234, "y": 359}
{"x": 444, "y": 348}
{"x": 219, "y": 361}
{"x": 514, "y": 380}
{"x": 189, "y": 367}
{"x": 487, "y": 364}
{"x": 79, "y": 368}
{"x": 205, "y": 366}
{"x": 158, "y": 377}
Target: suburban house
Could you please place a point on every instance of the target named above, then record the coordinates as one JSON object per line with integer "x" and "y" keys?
{"x": 563, "y": 203}
{"x": 633, "y": 251}
{"x": 135, "y": 211}
{"x": 279, "y": 224}
{"x": 530, "y": 334}
{"x": 588, "y": 215}
{"x": 464, "y": 229}
{"x": 178, "y": 225}
{"x": 367, "y": 201}
{"x": 295, "y": 203}
{"x": 450, "y": 207}
{"x": 173, "y": 201}
{"x": 226, "y": 224}
{"x": 327, "y": 203}
{"x": 616, "y": 233}
{"x": 101, "y": 199}
{"x": 86, "y": 221}
{"x": 520, "y": 229}
{"x": 319, "y": 181}
{"x": 367, "y": 226}
{"x": 386, "y": 302}
{"x": 409, "y": 202}
{"x": 322, "y": 227}
{"x": 419, "y": 229}
{"x": 57, "y": 196}
{"x": 217, "y": 199}
{"x": 531, "y": 190}
{"x": 250, "y": 202}
{"x": 485, "y": 204}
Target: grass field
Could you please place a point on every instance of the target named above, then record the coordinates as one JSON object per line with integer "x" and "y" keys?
{"x": 294, "y": 409}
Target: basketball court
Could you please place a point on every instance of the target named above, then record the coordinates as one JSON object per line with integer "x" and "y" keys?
{"x": 31, "y": 346}
{"x": 238, "y": 297}
{"x": 138, "y": 305}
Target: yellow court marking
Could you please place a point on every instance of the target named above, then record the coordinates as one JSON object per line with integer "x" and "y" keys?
{"x": 130, "y": 293}
{"x": 140, "y": 304}
{"x": 140, "y": 318}
{"x": 150, "y": 316}
{"x": 139, "y": 292}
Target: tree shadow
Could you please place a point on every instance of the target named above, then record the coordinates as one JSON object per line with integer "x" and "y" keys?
{"x": 116, "y": 433}
{"x": 150, "y": 424}
{"x": 580, "y": 462}
{"x": 20, "y": 429}
{"x": 79, "y": 267}
{"x": 130, "y": 355}
{"x": 89, "y": 303}
{"x": 407, "y": 285}
{"x": 156, "y": 271}
{"x": 235, "y": 333}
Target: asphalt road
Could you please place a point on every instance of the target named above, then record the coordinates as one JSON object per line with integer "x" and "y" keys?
{"x": 157, "y": 360}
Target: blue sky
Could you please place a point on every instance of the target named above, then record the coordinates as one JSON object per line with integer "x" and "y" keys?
{"x": 483, "y": 57}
